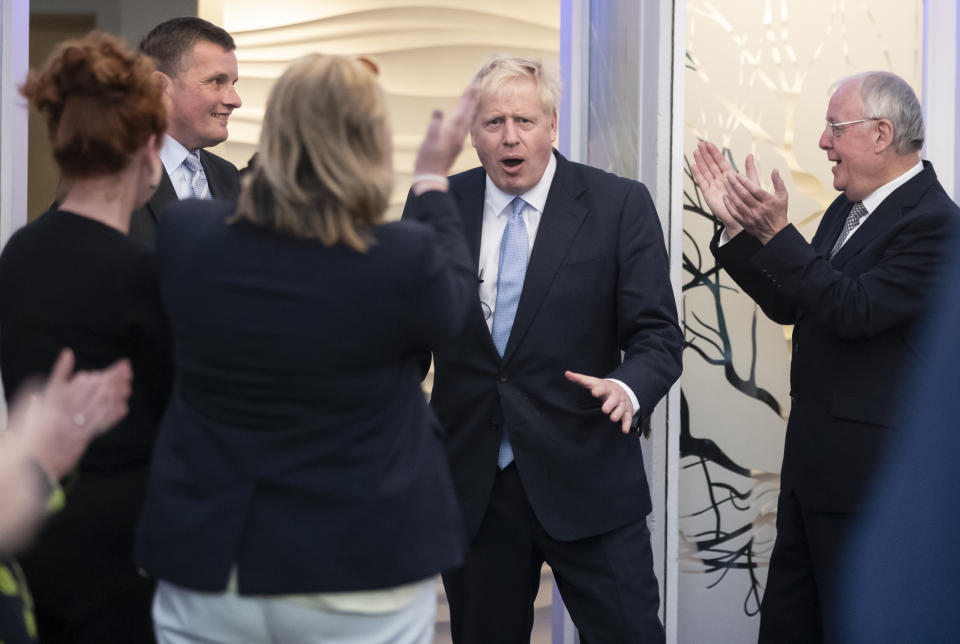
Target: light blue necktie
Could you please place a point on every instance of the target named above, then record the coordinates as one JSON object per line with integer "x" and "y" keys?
{"x": 198, "y": 180}
{"x": 510, "y": 274}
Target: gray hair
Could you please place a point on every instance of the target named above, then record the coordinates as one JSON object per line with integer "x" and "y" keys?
{"x": 886, "y": 95}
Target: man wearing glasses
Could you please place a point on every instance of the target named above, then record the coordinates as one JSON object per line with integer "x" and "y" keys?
{"x": 857, "y": 294}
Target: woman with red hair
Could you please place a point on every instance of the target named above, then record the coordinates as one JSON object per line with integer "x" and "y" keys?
{"x": 73, "y": 278}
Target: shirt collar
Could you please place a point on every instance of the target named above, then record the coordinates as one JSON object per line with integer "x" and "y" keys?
{"x": 172, "y": 153}
{"x": 535, "y": 196}
{"x": 876, "y": 197}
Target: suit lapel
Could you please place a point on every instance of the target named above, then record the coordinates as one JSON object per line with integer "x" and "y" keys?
{"x": 886, "y": 214}
{"x": 562, "y": 216}
{"x": 162, "y": 198}
{"x": 831, "y": 226}
{"x": 470, "y": 202}
{"x": 212, "y": 172}
{"x": 469, "y": 198}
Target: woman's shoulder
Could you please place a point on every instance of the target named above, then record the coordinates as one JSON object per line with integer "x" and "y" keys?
{"x": 192, "y": 218}
{"x": 63, "y": 231}
{"x": 200, "y": 211}
{"x": 410, "y": 235}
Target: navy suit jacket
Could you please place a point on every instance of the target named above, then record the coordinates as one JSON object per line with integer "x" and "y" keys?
{"x": 223, "y": 180}
{"x": 298, "y": 444}
{"x": 856, "y": 320}
{"x": 597, "y": 283}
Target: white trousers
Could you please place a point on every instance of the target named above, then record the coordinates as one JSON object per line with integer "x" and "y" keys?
{"x": 182, "y": 616}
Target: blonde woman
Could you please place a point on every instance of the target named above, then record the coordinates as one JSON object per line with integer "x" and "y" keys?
{"x": 299, "y": 490}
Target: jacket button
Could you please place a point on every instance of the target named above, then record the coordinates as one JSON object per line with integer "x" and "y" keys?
{"x": 503, "y": 377}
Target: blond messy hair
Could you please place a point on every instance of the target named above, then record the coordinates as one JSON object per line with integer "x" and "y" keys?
{"x": 324, "y": 161}
{"x": 502, "y": 69}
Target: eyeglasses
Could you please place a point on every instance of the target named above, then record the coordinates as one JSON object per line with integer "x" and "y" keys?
{"x": 837, "y": 128}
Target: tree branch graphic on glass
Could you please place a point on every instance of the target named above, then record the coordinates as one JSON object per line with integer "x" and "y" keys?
{"x": 734, "y": 528}
{"x": 757, "y": 78}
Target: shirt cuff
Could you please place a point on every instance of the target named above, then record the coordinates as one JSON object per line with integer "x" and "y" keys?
{"x": 630, "y": 394}
{"x": 724, "y": 238}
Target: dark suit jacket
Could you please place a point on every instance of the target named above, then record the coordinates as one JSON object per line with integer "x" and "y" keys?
{"x": 597, "y": 283}
{"x": 856, "y": 318}
{"x": 297, "y": 443}
{"x": 222, "y": 178}
{"x": 901, "y": 574}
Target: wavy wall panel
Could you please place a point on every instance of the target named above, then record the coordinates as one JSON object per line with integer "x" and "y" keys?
{"x": 427, "y": 53}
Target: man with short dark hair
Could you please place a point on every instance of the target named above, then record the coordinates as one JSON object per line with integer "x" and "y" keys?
{"x": 573, "y": 339}
{"x": 857, "y": 295}
{"x": 196, "y": 62}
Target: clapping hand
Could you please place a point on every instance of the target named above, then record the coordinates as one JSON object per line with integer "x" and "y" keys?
{"x": 59, "y": 421}
{"x": 738, "y": 200}
{"x": 709, "y": 168}
{"x": 759, "y": 212}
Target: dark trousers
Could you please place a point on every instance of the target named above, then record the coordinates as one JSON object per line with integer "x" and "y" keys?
{"x": 606, "y": 581}
{"x": 85, "y": 585}
{"x": 800, "y": 599}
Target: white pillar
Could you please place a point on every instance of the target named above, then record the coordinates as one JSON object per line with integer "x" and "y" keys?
{"x": 622, "y": 63}
{"x": 575, "y": 68}
{"x": 14, "y": 60}
{"x": 941, "y": 91}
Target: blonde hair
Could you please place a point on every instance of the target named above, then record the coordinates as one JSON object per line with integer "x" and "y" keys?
{"x": 324, "y": 162}
{"x": 502, "y": 69}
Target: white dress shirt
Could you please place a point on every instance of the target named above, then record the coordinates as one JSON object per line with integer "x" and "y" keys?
{"x": 875, "y": 198}
{"x": 496, "y": 212}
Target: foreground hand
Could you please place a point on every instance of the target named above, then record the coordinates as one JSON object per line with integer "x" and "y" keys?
{"x": 616, "y": 403}
{"x": 60, "y": 420}
{"x": 709, "y": 167}
{"x": 443, "y": 142}
{"x": 760, "y": 213}
{"x": 21, "y": 500}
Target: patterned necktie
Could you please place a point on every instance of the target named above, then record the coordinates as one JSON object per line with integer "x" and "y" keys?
{"x": 857, "y": 213}
{"x": 512, "y": 269}
{"x": 198, "y": 180}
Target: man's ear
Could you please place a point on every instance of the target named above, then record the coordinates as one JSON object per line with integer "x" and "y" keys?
{"x": 884, "y": 135}
{"x": 167, "y": 84}
{"x": 163, "y": 79}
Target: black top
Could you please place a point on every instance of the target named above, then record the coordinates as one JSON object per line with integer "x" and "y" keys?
{"x": 69, "y": 281}
{"x": 298, "y": 445}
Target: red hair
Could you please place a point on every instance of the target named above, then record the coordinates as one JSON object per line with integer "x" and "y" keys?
{"x": 101, "y": 103}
